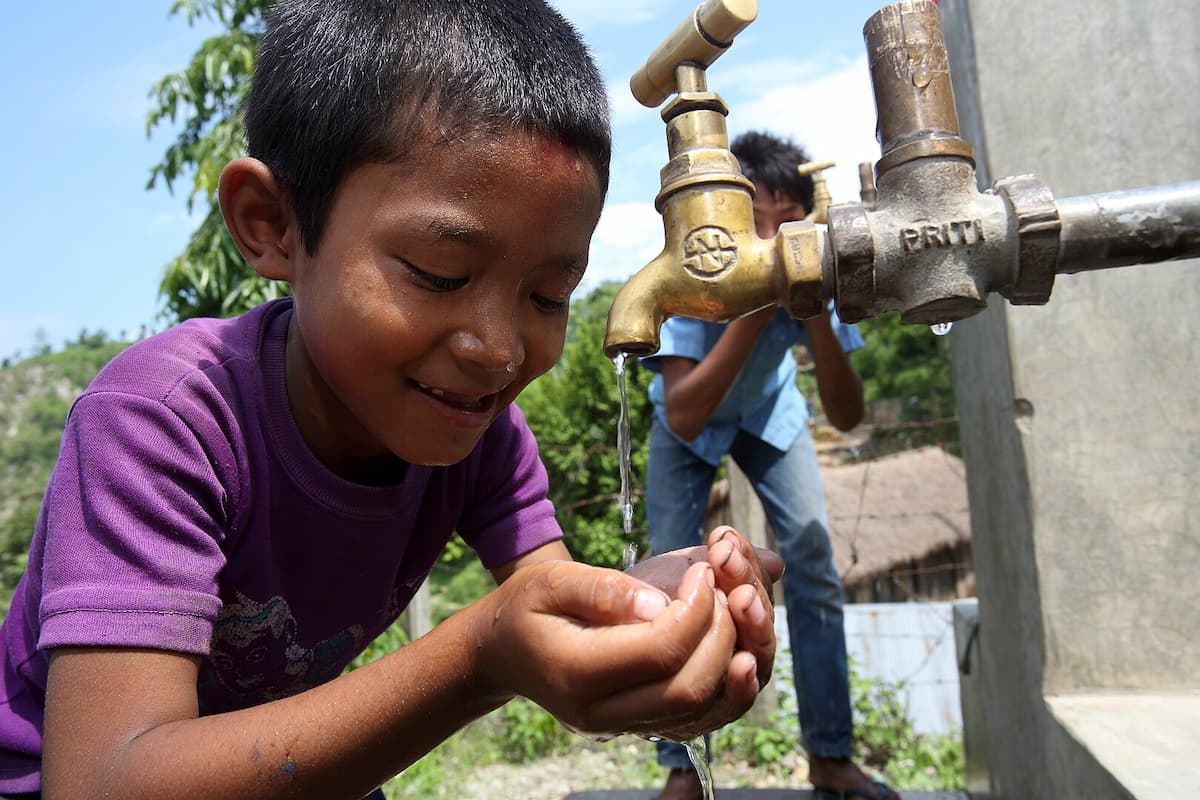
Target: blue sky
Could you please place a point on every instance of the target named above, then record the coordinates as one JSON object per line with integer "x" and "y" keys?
{"x": 83, "y": 243}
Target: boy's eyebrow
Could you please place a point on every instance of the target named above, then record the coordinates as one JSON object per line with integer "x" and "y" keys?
{"x": 459, "y": 230}
{"x": 463, "y": 231}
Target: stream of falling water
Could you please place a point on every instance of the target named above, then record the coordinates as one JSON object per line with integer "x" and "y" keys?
{"x": 697, "y": 749}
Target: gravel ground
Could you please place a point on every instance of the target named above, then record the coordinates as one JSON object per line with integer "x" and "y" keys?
{"x": 625, "y": 763}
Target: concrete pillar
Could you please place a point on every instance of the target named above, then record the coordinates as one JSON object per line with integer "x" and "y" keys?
{"x": 1080, "y": 419}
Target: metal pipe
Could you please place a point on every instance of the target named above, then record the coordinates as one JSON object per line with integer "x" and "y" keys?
{"x": 1134, "y": 226}
{"x": 910, "y": 75}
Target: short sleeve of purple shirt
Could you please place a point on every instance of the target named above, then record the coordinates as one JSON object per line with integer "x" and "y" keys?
{"x": 186, "y": 514}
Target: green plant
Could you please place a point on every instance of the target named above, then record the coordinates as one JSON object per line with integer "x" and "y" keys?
{"x": 907, "y": 362}
{"x": 758, "y": 745}
{"x": 529, "y": 732}
{"x": 885, "y": 740}
{"x": 457, "y": 582}
{"x": 392, "y": 639}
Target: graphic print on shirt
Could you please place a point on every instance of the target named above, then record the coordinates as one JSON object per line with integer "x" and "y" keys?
{"x": 255, "y": 656}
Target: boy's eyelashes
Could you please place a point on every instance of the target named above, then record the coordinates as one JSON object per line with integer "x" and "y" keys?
{"x": 436, "y": 282}
{"x": 440, "y": 283}
{"x": 549, "y": 305}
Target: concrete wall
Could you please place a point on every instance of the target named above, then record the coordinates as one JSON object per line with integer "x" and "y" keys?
{"x": 1081, "y": 419}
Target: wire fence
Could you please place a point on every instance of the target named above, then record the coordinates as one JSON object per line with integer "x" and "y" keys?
{"x": 898, "y": 515}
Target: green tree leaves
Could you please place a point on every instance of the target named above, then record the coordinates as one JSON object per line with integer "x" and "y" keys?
{"x": 209, "y": 278}
{"x": 906, "y": 362}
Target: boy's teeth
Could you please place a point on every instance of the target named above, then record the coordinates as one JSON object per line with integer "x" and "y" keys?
{"x": 459, "y": 400}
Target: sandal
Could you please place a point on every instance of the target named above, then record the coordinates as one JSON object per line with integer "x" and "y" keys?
{"x": 682, "y": 784}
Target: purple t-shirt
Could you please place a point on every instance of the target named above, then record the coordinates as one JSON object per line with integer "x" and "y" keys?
{"x": 187, "y": 514}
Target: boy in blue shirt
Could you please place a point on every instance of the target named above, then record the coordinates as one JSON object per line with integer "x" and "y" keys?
{"x": 240, "y": 505}
{"x": 731, "y": 389}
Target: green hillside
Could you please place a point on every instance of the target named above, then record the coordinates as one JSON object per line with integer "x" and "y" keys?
{"x": 35, "y": 395}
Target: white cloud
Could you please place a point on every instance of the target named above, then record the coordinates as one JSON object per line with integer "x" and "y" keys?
{"x": 735, "y": 78}
{"x": 832, "y": 116}
{"x": 628, "y": 236}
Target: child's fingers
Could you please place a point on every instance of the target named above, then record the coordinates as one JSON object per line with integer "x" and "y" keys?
{"x": 756, "y": 628}
{"x": 767, "y": 564}
{"x": 737, "y": 563}
{"x": 640, "y": 710}
{"x": 744, "y": 573}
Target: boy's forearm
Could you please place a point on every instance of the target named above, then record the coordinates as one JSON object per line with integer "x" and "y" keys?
{"x": 838, "y": 384}
{"x": 341, "y": 739}
{"x": 695, "y": 397}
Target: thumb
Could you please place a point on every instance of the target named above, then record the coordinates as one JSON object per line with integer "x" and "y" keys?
{"x": 599, "y": 596}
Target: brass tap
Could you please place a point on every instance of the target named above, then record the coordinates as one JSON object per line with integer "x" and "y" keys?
{"x": 821, "y": 197}
{"x": 924, "y": 241}
{"x": 713, "y": 266}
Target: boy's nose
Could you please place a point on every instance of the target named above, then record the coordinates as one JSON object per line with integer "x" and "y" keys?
{"x": 492, "y": 340}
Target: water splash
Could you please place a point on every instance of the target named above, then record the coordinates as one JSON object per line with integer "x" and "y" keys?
{"x": 697, "y": 749}
{"x": 624, "y": 450}
{"x": 630, "y": 557}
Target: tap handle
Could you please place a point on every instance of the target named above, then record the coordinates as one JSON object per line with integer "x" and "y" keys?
{"x": 700, "y": 39}
{"x": 821, "y": 198}
{"x": 866, "y": 182}
{"x": 815, "y": 167}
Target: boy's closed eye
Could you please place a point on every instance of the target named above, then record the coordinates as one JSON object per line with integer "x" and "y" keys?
{"x": 439, "y": 283}
{"x": 549, "y": 304}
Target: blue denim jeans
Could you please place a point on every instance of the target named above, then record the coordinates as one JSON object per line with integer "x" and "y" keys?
{"x": 789, "y": 486}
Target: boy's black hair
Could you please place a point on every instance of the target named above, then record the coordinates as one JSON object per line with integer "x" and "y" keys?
{"x": 772, "y": 161}
{"x": 341, "y": 83}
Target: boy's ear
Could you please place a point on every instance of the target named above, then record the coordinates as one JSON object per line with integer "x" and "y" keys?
{"x": 258, "y": 217}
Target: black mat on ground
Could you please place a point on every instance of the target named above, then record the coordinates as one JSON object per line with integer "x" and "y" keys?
{"x": 748, "y": 794}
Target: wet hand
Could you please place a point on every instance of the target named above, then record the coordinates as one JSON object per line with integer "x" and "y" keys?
{"x": 607, "y": 653}
{"x": 744, "y": 573}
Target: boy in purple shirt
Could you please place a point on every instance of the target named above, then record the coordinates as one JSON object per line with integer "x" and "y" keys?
{"x": 241, "y": 505}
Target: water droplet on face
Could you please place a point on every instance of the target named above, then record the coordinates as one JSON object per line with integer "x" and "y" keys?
{"x": 941, "y": 328}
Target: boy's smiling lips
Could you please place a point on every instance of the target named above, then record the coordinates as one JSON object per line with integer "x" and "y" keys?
{"x": 463, "y": 402}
